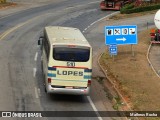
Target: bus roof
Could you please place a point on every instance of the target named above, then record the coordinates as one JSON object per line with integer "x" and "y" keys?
{"x": 65, "y": 36}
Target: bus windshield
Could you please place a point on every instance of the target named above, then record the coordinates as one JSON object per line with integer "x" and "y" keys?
{"x": 71, "y": 54}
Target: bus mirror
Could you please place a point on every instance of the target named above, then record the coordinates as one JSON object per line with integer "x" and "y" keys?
{"x": 40, "y": 41}
{"x": 41, "y": 38}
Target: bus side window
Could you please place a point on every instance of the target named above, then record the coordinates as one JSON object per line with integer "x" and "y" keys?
{"x": 46, "y": 47}
{"x": 48, "y": 50}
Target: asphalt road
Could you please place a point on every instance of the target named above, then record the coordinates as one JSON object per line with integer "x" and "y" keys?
{"x": 21, "y": 80}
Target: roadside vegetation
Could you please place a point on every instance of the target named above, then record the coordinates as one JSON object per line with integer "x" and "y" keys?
{"x": 2, "y": 1}
{"x": 123, "y": 16}
{"x": 140, "y": 6}
{"x": 5, "y": 4}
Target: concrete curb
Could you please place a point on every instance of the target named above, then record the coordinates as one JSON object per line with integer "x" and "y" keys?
{"x": 114, "y": 86}
{"x": 150, "y": 61}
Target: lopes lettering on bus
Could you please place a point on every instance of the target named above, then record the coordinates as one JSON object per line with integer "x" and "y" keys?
{"x": 74, "y": 73}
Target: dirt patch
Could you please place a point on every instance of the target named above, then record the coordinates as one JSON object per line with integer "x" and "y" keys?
{"x": 133, "y": 76}
{"x": 6, "y": 5}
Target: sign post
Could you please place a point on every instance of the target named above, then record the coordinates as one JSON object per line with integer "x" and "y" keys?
{"x": 132, "y": 50}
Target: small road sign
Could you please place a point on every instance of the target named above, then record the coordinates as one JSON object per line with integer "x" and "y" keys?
{"x": 126, "y": 34}
{"x": 113, "y": 49}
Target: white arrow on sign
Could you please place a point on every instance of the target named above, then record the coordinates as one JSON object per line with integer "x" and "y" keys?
{"x": 121, "y": 39}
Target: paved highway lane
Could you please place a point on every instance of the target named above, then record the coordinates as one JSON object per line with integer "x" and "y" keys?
{"x": 21, "y": 77}
{"x": 13, "y": 19}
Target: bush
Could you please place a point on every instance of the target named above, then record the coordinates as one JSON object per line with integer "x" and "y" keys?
{"x": 131, "y": 9}
{"x": 2, "y": 1}
{"x": 126, "y": 8}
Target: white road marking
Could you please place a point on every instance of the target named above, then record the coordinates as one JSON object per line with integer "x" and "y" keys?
{"x": 150, "y": 61}
{"x": 39, "y": 92}
{"x": 3, "y": 35}
{"x": 36, "y": 55}
{"x": 94, "y": 107}
{"x": 34, "y": 72}
{"x": 99, "y": 20}
{"x": 82, "y": 5}
{"x": 36, "y": 92}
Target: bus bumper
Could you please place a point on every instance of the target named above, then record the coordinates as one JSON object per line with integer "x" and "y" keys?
{"x": 69, "y": 91}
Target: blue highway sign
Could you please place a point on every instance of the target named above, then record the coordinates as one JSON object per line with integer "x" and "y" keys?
{"x": 120, "y": 35}
{"x": 113, "y": 49}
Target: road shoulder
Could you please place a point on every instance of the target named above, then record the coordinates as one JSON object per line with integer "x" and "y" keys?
{"x": 139, "y": 60}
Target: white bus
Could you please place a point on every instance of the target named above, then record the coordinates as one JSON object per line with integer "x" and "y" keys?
{"x": 66, "y": 61}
